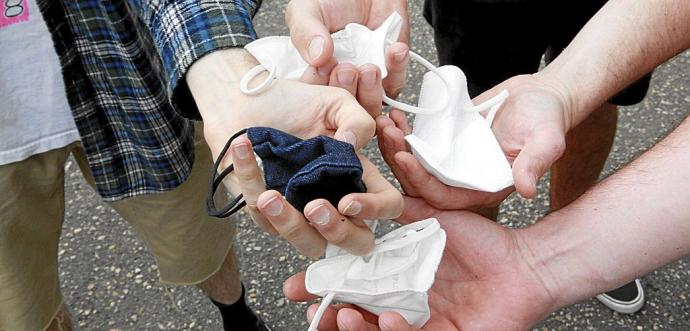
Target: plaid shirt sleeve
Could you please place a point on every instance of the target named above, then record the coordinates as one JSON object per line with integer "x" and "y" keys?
{"x": 184, "y": 31}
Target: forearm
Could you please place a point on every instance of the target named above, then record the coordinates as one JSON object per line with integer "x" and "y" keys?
{"x": 215, "y": 78}
{"x": 632, "y": 223}
{"x": 623, "y": 41}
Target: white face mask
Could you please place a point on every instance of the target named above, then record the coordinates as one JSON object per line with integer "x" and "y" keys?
{"x": 395, "y": 276}
{"x": 457, "y": 145}
{"x": 355, "y": 44}
{"x": 450, "y": 139}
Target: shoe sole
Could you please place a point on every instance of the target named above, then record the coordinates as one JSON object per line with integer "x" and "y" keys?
{"x": 624, "y": 307}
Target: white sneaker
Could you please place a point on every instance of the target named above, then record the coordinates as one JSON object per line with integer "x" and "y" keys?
{"x": 627, "y": 299}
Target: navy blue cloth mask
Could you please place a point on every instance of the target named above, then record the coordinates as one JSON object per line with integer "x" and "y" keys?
{"x": 301, "y": 170}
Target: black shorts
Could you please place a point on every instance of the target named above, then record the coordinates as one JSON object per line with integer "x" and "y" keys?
{"x": 493, "y": 40}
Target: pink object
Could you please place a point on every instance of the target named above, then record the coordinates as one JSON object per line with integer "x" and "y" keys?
{"x": 13, "y": 11}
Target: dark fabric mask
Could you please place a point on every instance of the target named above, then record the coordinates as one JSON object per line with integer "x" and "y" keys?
{"x": 301, "y": 170}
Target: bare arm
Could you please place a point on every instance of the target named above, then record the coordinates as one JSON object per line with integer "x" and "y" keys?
{"x": 623, "y": 41}
{"x": 632, "y": 223}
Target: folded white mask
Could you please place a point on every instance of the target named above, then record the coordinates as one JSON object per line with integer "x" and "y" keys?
{"x": 395, "y": 276}
{"x": 457, "y": 145}
{"x": 355, "y": 44}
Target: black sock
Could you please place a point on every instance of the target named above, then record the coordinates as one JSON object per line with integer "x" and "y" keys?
{"x": 238, "y": 316}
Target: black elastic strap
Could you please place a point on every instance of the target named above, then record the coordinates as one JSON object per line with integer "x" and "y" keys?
{"x": 216, "y": 179}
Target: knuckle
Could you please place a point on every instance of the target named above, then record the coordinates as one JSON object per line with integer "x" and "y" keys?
{"x": 369, "y": 127}
{"x": 291, "y": 232}
{"x": 312, "y": 251}
{"x": 246, "y": 175}
{"x": 337, "y": 235}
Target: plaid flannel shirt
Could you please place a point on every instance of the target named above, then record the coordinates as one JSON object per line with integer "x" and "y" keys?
{"x": 123, "y": 64}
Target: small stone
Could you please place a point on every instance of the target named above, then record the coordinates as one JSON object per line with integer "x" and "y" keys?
{"x": 76, "y": 231}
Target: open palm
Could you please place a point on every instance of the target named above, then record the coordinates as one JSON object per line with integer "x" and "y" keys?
{"x": 484, "y": 281}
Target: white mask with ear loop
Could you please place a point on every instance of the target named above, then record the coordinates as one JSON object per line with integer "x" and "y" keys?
{"x": 395, "y": 276}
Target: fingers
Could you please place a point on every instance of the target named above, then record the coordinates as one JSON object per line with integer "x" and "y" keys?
{"x": 308, "y": 31}
{"x": 392, "y": 321}
{"x": 352, "y": 123}
{"x": 441, "y": 195}
{"x": 391, "y": 141}
{"x": 369, "y": 92}
{"x": 415, "y": 209}
{"x": 397, "y": 57}
{"x": 319, "y": 75}
{"x": 250, "y": 180}
{"x": 400, "y": 120}
{"x": 311, "y": 22}
{"x": 328, "y": 319}
{"x": 345, "y": 76}
{"x": 295, "y": 290}
{"x": 382, "y": 201}
{"x": 290, "y": 224}
{"x": 351, "y": 319}
{"x": 338, "y": 229}
{"x": 535, "y": 158}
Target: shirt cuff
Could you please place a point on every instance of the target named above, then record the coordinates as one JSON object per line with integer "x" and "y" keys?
{"x": 185, "y": 31}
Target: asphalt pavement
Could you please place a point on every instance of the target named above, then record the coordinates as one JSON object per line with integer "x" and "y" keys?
{"x": 110, "y": 280}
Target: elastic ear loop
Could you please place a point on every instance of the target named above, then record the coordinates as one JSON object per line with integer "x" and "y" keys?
{"x": 216, "y": 179}
{"x": 417, "y": 109}
{"x": 251, "y": 74}
{"x": 319, "y": 312}
{"x": 493, "y": 103}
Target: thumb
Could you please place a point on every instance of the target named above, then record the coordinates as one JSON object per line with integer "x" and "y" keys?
{"x": 415, "y": 209}
{"x": 309, "y": 32}
{"x": 534, "y": 160}
{"x": 353, "y": 124}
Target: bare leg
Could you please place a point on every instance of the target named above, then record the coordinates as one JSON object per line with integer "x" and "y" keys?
{"x": 587, "y": 148}
{"x": 224, "y": 286}
{"x": 62, "y": 321}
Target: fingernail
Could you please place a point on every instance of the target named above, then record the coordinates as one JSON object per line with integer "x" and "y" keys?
{"x": 242, "y": 151}
{"x": 353, "y": 208}
{"x": 346, "y": 77}
{"x": 316, "y": 47}
{"x": 274, "y": 207}
{"x": 400, "y": 57}
{"x": 350, "y": 138}
{"x": 369, "y": 78}
{"x": 320, "y": 215}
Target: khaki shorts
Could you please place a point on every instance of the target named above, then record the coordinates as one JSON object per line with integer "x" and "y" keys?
{"x": 189, "y": 246}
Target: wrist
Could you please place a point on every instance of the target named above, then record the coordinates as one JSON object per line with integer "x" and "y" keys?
{"x": 563, "y": 92}
{"x": 214, "y": 81}
{"x": 562, "y": 260}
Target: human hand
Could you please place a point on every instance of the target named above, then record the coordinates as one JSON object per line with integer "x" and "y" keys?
{"x": 312, "y": 21}
{"x": 415, "y": 180}
{"x": 300, "y": 109}
{"x": 297, "y": 108}
{"x": 343, "y": 226}
{"x": 486, "y": 281}
{"x": 530, "y": 127}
